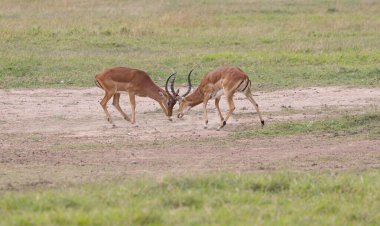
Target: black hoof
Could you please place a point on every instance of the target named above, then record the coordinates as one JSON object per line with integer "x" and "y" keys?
{"x": 224, "y": 123}
{"x": 262, "y": 123}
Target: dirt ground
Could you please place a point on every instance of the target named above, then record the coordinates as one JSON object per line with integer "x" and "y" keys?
{"x": 53, "y": 137}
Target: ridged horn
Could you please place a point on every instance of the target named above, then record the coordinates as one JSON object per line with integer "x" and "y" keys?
{"x": 167, "y": 81}
{"x": 172, "y": 86}
{"x": 189, "y": 81}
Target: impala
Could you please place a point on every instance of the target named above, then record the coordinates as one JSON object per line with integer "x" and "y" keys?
{"x": 224, "y": 80}
{"x": 136, "y": 83}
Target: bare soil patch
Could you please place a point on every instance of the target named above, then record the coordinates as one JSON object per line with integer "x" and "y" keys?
{"x": 51, "y": 137}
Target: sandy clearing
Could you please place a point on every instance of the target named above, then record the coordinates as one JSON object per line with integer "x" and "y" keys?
{"x": 77, "y": 111}
{"x": 52, "y": 137}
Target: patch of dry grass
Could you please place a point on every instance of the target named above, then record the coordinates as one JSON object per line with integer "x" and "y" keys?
{"x": 279, "y": 44}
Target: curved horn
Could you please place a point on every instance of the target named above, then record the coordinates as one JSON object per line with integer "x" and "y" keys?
{"x": 172, "y": 86}
{"x": 189, "y": 81}
{"x": 167, "y": 81}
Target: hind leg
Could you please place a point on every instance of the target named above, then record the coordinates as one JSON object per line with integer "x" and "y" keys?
{"x": 115, "y": 103}
{"x": 231, "y": 108}
{"x": 217, "y": 100}
{"x": 249, "y": 96}
{"x": 104, "y": 102}
{"x": 205, "y": 116}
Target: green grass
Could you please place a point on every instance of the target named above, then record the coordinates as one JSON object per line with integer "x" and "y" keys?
{"x": 365, "y": 125}
{"x": 219, "y": 199}
{"x": 279, "y": 44}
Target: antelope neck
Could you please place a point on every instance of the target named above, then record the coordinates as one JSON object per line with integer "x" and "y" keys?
{"x": 195, "y": 98}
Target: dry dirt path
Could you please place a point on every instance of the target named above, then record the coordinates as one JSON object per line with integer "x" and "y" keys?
{"x": 60, "y": 136}
{"x": 77, "y": 112}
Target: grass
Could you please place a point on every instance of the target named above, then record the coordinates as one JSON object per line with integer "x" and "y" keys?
{"x": 365, "y": 125}
{"x": 64, "y": 43}
{"x": 280, "y": 44}
{"x": 219, "y": 199}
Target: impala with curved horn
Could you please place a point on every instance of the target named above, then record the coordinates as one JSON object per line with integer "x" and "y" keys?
{"x": 137, "y": 83}
{"x": 224, "y": 80}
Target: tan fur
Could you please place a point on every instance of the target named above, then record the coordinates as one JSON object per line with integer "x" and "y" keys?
{"x": 227, "y": 79}
{"x": 137, "y": 83}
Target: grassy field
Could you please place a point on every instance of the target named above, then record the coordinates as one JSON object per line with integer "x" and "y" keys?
{"x": 220, "y": 199}
{"x": 64, "y": 43}
{"x": 224, "y": 198}
{"x": 280, "y": 44}
{"x": 365, "y": 125}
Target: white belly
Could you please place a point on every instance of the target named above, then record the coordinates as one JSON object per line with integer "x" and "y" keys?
{"x": 216, "y": 94}
{"x": 126, "y": 92}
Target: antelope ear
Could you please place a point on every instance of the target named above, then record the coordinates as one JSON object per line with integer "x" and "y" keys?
{"x": 177, "y": 92}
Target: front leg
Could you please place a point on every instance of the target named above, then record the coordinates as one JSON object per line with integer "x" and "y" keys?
{"x": 205, "y": 117}
{"x": 115, "y": 102}
{"x": 132, "y": 99}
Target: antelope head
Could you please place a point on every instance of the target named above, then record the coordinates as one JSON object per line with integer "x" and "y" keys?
{"x": 169, "y": 99}
{"x": 184, "y": 105}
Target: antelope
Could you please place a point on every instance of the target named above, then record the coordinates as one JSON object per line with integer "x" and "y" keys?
{"x": 224, "y": 80}
{"x": 135, "y": 82}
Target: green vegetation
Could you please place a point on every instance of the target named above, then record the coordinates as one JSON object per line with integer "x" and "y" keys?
{"x": 366, "y": 125}
{"x": 220, "y": 199}
{"x": 279, "y": 44}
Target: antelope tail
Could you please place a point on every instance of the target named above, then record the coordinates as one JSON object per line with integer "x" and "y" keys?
{"x": 98, "y": 84}
{"x": 246, "y": 86}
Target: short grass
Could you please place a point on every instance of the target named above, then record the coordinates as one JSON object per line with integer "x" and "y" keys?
{"x": 64, "y": 43}
{"x": 362, "y": 126}
{"x": 220, "y": 199}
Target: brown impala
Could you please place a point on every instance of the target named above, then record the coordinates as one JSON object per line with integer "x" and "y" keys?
{"x": 137, "y": 83}
{"x": 224, "y": 80}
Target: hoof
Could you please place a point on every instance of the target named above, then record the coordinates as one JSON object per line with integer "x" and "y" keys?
{"x": 205, "y": 125}
{"x": 262, "y": 123}
{"x": 224, "y": 123}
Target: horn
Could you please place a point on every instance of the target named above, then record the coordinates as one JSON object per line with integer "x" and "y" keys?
{"x": 167, "y": 81}
{"x": 189, "y": 81}
{"x": 172, "y": 86}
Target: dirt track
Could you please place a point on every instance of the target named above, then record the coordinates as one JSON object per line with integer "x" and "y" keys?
{"x": 57, "y": 136}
